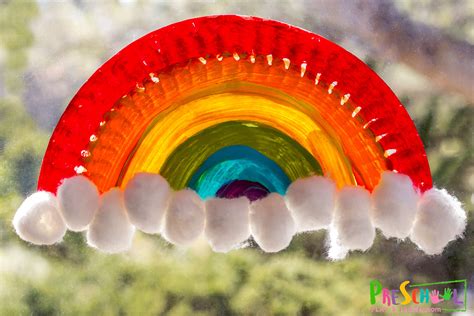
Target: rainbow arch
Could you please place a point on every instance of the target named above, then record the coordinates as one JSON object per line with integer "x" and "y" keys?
{"x": 231, "y": 127}
{"x": 305, "y": 105}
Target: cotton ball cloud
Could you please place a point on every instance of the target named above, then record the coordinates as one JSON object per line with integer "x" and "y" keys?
{"x": 271, "y": 223}
{"x": 110, "y": 230}
{"x": 439, "y": 220}
{"x": 395, "y": 200}
{"x": 351, "y": 228}
{"x": 146, "y": 198}
{"x": 227, "y": 223}
{"x": 184, "y": 219}
{"x": 311, "y": 202}
{"x": 38, "y": 221}
{"x": 78, "y": 200}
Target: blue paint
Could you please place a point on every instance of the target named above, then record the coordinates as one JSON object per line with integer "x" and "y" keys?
{"x": 238, "y": 163}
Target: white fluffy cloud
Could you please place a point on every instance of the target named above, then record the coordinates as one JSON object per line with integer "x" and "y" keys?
{"x": 184, "y": 219}
{"x": 431, "y": 220}
{"x": 78, "y": 201}
{"x": 395, "y": 201}
{"x": 227, "y": 223}
{"x": 439, "y": 220}
{"x": 110, "y": 230}
{"x": 351, "y": 228}
{"x": 271, "y": 223}
{"x": 38, "y": 221}
{"x": 146, "y": 199}
{"x": 311, "y": 202}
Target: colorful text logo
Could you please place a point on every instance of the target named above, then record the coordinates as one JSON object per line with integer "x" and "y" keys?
{"x": 436, "y": 297}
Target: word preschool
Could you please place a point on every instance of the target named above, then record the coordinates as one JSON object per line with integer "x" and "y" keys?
{"x": 449, "y": 295}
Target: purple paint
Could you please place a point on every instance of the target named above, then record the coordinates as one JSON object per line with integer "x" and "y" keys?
{"x": 237, "y": 188}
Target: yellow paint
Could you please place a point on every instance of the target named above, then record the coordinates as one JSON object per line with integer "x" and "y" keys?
{"x": 188, "y": 119}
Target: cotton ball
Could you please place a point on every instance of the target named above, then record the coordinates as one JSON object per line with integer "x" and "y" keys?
{"x": 184, "y": 219}
{"x": 110, "y": 230}
{"x": 352, "y": 225}
{"x": 78, "y": 200}
{"x": 38, "y": 221}
{"x": 440, "y": 219}
{"x": 227, "y": 223}
{"x": 146, "y": 198}
{"x": 311, "y": 202}
{"x": 394, "y": 200}
{"x": 271, "y": 223}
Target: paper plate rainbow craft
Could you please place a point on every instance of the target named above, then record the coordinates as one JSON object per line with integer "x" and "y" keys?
{"x": 230, "y": 127}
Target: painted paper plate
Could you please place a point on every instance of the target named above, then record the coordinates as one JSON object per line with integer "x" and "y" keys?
{"x": 232, "y": 127}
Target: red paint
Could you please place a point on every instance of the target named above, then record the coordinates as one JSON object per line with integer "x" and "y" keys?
{"x": 209, "y": 36}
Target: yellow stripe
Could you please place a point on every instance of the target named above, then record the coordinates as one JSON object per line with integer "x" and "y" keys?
{"x": 171, "y": 130}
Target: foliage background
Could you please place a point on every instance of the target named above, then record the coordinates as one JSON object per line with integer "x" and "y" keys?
{"x": 48, "y": 49}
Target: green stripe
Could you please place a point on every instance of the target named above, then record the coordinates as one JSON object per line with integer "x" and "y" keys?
{"x": 292, "y": 158}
